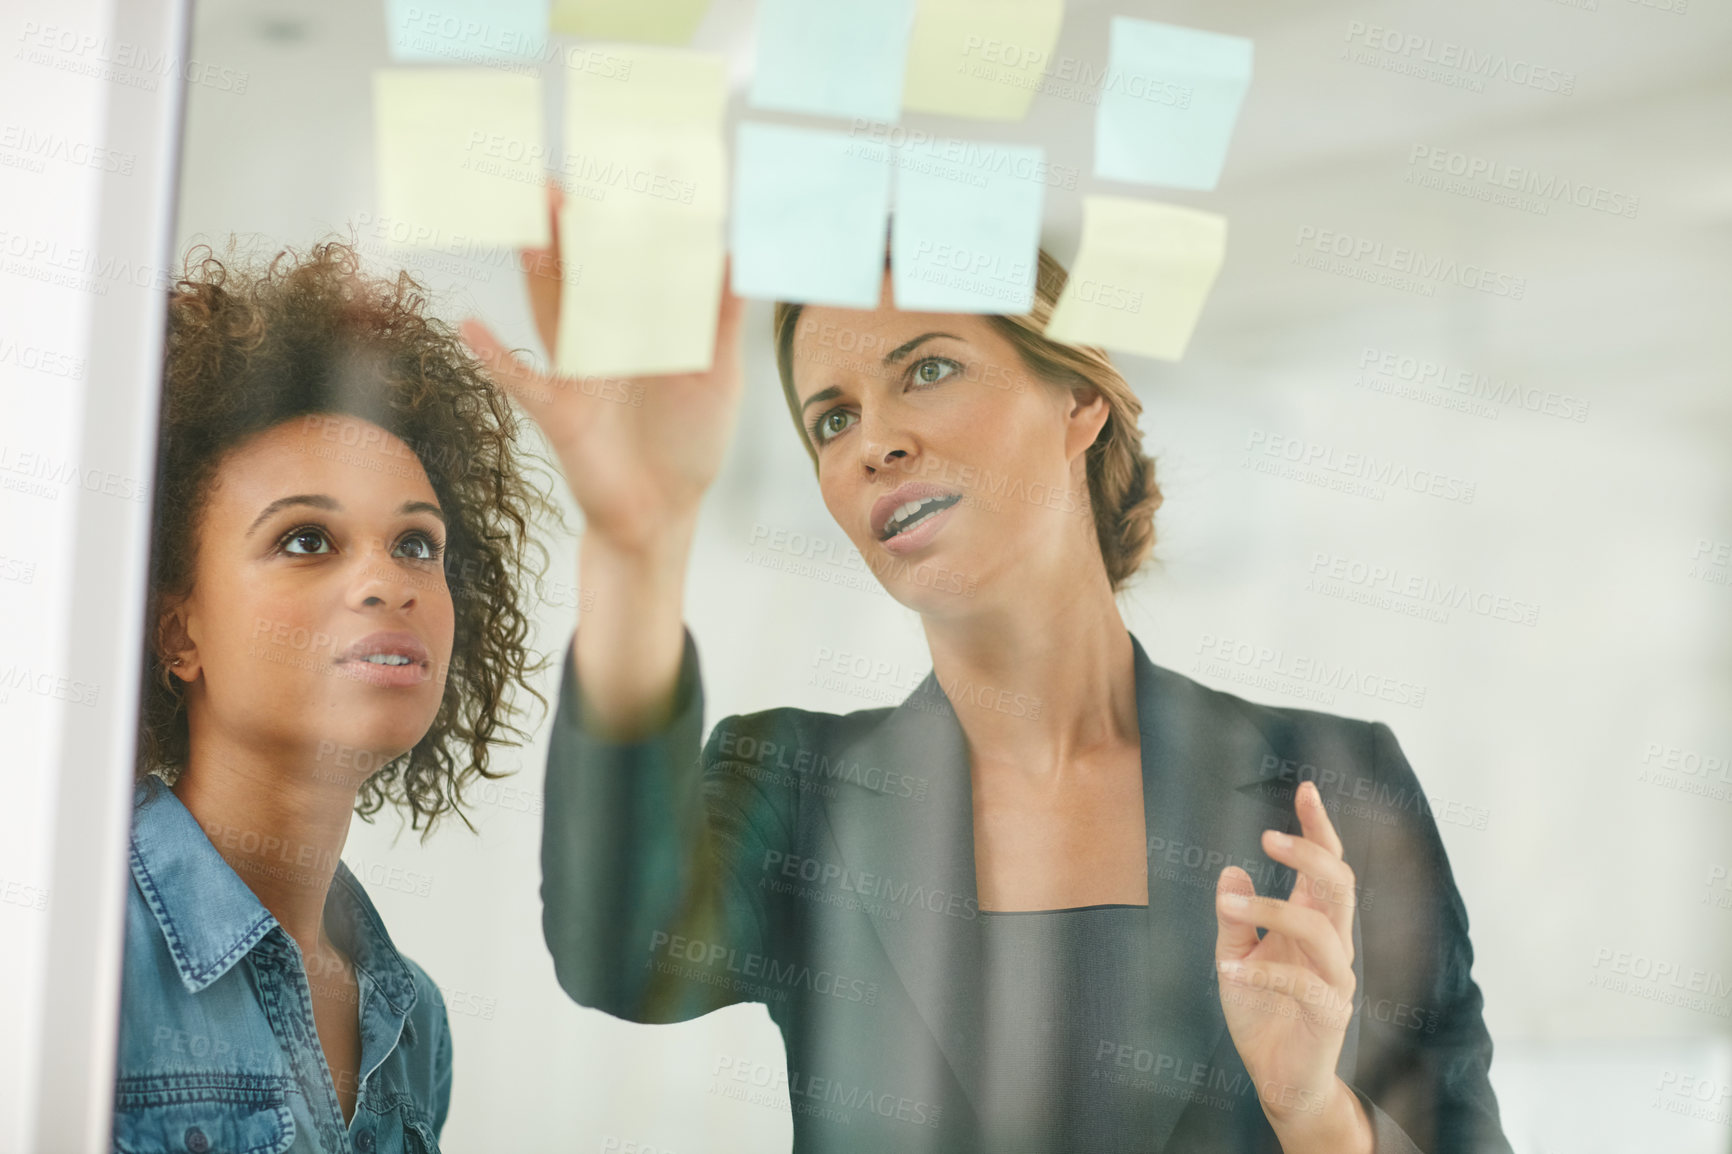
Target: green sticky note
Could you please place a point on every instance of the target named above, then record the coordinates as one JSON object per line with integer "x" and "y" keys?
{"x": 459, "y": 156}
{"x": 1169, "y": 102}
{"x": 648, "y": 21}
{"x": 1140, "y": 278}
{"x": 980, "y": 58}
{"x": 644, "y": 171}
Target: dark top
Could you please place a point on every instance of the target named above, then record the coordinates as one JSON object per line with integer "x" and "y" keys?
{"x": 824, "y": 865}
{"x": 1063, "y": 991}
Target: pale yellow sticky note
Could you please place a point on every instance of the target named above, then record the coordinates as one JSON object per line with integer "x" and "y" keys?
{"x": 641, "y": 291}
{"x": 981, "y": 58}
{"x": 653, "y": 21}
{"x": 610, "y": 81}
{"x": 459, "y": 156}
{"x": 1140, "y": 278}
{"x": 645, "y": 178}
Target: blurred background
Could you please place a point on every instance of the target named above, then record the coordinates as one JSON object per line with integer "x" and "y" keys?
{"x": 1567, "y": 630}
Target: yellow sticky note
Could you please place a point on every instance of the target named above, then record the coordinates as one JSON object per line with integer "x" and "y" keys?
{"x": 607, "y": 83}
{"x": 652, "y": 21}
{"x": 980, "y": 58}
{"x": 645, "y": 176}
{"x": 641, "y": 292}
{"x": 459, "y": 156}
{"x": 1140, "y": 278}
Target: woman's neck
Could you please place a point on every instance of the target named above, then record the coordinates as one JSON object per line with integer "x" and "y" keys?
{"x": 1039, "y": 690}
{"x": 281, "y": 830}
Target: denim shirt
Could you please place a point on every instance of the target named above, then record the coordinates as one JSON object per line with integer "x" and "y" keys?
{"x": 218, "y": 1050}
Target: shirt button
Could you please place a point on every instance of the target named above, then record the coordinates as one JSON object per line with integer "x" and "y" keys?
{"x": 196, "y": 1142}
{"x": 364, "y": 1142}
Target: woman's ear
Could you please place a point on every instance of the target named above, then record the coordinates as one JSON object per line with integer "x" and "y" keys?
{"x": 1086, "y": 418}
{"x": 174, "y": 644}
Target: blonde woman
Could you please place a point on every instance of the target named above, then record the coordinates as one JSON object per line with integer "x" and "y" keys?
{"x": 1062, "y": 897}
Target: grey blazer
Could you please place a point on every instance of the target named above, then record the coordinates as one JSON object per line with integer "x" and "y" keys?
{"x": 824, "y": 865}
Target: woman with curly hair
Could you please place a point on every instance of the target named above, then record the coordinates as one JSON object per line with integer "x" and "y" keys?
{"x": 336, "y": 621}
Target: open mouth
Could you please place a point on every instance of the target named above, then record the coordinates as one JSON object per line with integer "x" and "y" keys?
{"x": 914, "y": 512}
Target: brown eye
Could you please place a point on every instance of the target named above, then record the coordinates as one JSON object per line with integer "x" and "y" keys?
{"x": 304, "y": 541}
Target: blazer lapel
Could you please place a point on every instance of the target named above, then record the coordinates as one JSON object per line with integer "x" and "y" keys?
{"x": 1202, "y": 766}
{"x": 1205, "y": 807}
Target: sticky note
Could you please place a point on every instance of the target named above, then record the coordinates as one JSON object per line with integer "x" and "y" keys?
{"x": 980, "y": 58}
{"x": 459, "y": 154}
{"x": 965, "y": 236}
{"x": 641, "y": 292}
{"x": 1140, "y": 278}
{"x": 809, "y": 216}
{"x": 840, "y": 58}
{"x": 1168, "y": 103}
{"x": 644, "y": 170}
{"x": 466, "y": 31}
{"x": 649, "y": 21}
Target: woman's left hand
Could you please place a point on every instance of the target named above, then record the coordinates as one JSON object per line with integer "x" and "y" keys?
{"x": 1288, "y": 996}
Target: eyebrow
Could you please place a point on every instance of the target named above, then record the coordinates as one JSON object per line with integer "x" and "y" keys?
{"x": 320, "y": 501}
{"x": 890, "y": 358}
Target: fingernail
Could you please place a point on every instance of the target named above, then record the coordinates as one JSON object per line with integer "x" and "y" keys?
{"x": 1235, "y": 901}
{"x": 1233, "y": 971}
{"x": 1277, "y": 838}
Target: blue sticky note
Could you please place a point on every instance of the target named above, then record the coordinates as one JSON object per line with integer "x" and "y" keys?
{"x": 1168, "y": 103}
{"x": 466, "y": 31}
{"x": 840, "y": 58}
{"x": 965, "y": 237}
{"x": 809, "y": 216}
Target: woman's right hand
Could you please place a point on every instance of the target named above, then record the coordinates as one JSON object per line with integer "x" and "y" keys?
{"x": 638, "y": 454}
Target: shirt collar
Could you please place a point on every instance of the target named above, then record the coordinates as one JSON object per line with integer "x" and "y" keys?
{"x": 211, "y": 919}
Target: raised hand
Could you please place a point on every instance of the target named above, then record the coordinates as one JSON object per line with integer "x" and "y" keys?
{"x": 1288, "y": 996}
{"x": 638, "y": 452}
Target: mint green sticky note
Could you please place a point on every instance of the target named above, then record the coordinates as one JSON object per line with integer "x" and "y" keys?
{"x": 841, "y": 58}
{"x": 809, "y": 216}
{"x": 466, "y": 31}
{"x": 1168, "y": 103}
{"x": 965, "y": 236}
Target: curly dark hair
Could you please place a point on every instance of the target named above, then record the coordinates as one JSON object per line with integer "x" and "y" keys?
{"x": 253, "y": 342}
